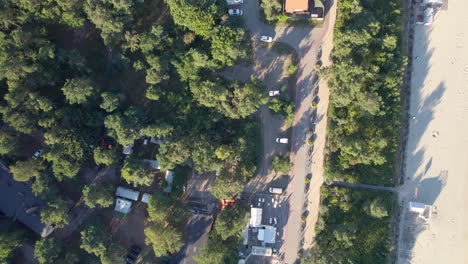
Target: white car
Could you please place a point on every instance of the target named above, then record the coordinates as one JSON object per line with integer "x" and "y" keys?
{"x": 235, "y": 12}
{"x": 266, "y": 39}
{"x": 274, "y": 93}
{"x": 234, "y": 2}
{"x": 37, "y": 154}
{"x": 282, "y": 140}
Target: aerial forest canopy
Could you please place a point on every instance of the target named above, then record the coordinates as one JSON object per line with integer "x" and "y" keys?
{"x": 75, "y": 71}
{"x": 365, "y": 81}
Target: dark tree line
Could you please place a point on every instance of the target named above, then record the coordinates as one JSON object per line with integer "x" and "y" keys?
{"x": 365, "y": 81}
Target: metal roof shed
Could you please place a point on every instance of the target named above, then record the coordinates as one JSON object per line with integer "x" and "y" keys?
{"x": 169, "y": 179}
{"x": 145, "y": 197}
{"x": 255, "y": 217}
{"x": 127, "y": 193}
{"x": 123, "y": 205}
{"x": 267, "y": 234}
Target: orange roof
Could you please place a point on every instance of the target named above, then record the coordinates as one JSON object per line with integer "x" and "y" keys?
{"x": 293, "y": 6}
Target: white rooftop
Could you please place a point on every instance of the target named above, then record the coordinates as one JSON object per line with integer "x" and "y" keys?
{"x": 169, "y": 179}
{"x": 145, "y": 197}
{"x": 255, "y": 217}
{"x": 127, "y": 193}
{"x": 267, "y": 234}
{"x": 122, "y": 205}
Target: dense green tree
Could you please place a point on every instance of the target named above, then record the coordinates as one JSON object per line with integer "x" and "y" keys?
{"x": 226, "y": 186}
{"x": 113, "y": 254}
{"x": 46, "y": 250}
{"x": 283, "y": 107}
{"x": 224, "y": 152}
{"x": 198, "y": 19}
{"x": 230, "y": 222}
{"x": 137, "y": 172}
{"x": 165, "y": 239}
{"x": 23, "y": 171}
{"x": 192, "y": 63}
{"x": 158, "y": 208}
{"x": 101, "y": 195}
{"x": 93, "y": 239}
{"x": 8, "y": 242}
{"x": 218, "y": 251}
{"x": 281, "y": 164}
{"x": 7, "y": 143}
{"x": 228, "y": 45}
{"x": 173, "y": 153}
{"x": 376, "y": 208}
{"x": 110, "y": 102}
{"x": 271, "y": 9}
{"x": 125, "y": 128}
{"x": 157, "y": 130}
{"x": 78, "y": 90}
{"x": 105, "y": 156}
{"x": 56, "y": 212}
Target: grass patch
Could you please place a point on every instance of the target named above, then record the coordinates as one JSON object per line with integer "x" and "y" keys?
{"x": 354, "y": 226}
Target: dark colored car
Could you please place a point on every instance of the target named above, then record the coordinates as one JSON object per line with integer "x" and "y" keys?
{"x": 129, "y": 260}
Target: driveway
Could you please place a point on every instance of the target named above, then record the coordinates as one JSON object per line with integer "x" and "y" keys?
{"x": 307, "y": 42}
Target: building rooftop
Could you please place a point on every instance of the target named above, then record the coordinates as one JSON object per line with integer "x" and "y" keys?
{"x": 169, "y": 179}
{"x": 267, "y": 234}
{"x": 145, "y": 197}
{"x": 18, "y": 202}
{"x": 297, "y": 6}
{"x": 123, "y": 205}
{"x": 127, "y": 193}
{"x": 255, "y": 217}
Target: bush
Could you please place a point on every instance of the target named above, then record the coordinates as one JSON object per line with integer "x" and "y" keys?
{"x": 314, "y": 104}
{"x": 292, "y": 69}
{"x": 307, "y": 180}
{"x": 281, "y": 164}
{"x": 310, "y": 142}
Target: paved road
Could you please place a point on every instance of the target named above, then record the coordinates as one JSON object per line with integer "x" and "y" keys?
{"x": 305, "y": 41}
{"x": 198, "y": 229}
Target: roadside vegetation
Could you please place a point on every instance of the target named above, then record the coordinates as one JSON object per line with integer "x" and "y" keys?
{"x": 364, "y": 81}
{"x": 76, "y": 73}
{"x": 225, "y": 238}
{"x": 353, "y": 227}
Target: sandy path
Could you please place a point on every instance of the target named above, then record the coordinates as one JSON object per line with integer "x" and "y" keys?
{"x": 437, "y": 167}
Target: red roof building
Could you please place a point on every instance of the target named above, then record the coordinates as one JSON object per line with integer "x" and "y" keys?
{"x": 297, "y": 6}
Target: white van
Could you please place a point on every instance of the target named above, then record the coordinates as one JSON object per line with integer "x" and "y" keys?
{"x": 282, "y": 140}
{"x": 276, "y": 190}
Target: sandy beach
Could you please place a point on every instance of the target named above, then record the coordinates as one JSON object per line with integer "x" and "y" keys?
{"x": 437, "y": 149}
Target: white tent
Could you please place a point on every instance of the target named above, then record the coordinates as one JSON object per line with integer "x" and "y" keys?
{"x": 255, "y": 217}
{"x": 122, "y": 205}
{"x": 127, "y": 193}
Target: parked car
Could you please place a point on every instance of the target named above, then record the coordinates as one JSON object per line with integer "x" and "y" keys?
{"x": 266, "y": 39}
{"x": 37, "y": 154}
{"x": 129, "y": 260}
{"x": 315, "y": 91}
{"x": 145, "y": 141}
{"x": 275, "y": 190}
{"x": 282, "y": 140}
{"x": 274, "y": 93}
{"x": 235, "y": 2}
{"x": 235, "y": 12}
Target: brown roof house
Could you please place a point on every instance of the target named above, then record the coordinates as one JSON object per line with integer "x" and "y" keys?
{"x": 297, "y": 6}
